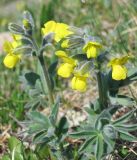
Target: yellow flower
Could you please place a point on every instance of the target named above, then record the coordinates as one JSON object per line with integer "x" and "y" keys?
{"x": 65, "y": 69}
{"x": 11, "y": 60}
{"x": 91, "y": 49}
{"x": 119, "y": 71}
{"x": 60, "y": 30}
{"x": 8, "y": 47}
{"x": 79, "y": 82}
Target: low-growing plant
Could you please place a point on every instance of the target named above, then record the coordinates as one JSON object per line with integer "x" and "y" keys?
{"x": 84, "y": 60}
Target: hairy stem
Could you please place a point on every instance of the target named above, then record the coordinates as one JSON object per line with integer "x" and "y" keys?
{"x": 44, "y": 70}
{"x": 47, "y": 78}
{"x": 103, "y": 100}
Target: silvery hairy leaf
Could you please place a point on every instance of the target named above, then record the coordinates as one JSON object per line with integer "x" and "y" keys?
{"x": 80, "y": 57}
{"x": 54, "y": 112}
{"x": 26, "y": 50}
{"x": 48, "y": 39}
{"x": 74, "y": 41}
{"x": 16, "y": 29}
{"x": 122, "y": 100}
{"x": 110, "y": 131}
{"x": 85, "y": 67}
{"x": 99, "y": 147}
{"x": 76, "y": 31}
{"x": 125, "y": 118}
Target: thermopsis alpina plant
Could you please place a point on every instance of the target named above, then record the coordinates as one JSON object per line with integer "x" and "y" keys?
{"x": 82, "y": 59}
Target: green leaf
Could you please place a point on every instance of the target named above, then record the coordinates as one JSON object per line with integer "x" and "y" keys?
{"x": 32, "y": 103}
{"x": 87, "y": 143}
{"x": 16, "y": 155}
{"x": 126, "y": 127}
{"x": 110, "y": 131}
{"x": 124, "y": 151}
{"x": 103, "y": 118}
{"x": 6, "y": 157}
{"x": 38, "y": 123}
{"x": 36, "y": 128}
{"x": 47, "y": 139}
{"x": 127, "y": 136}
{"x": 102, "y": 56}
{"x": 42, "y": 151}
{"x": 54, "y": 113}
{"x": 85, "y": 67}
{"x": 99, "y": 147}
{"x": 34, "y": 92}
{"x": 15, "y": 144}
{"x": 16, "y": 148}
{"x": 52, "y": 68}
{"x": 110, "y": 144}
{"x": 31, "y": 78}
{"x": 32, "y": 156}
{"x": 15, "y": 29}
{"x": 124, "y": 118}
{"x": 42, "y": 78}
{"x": 44, "y": 136}
{"x": 26, "y": 50}
{"x": 83, "y": 134}
{"x": 75, "y": 41}
{"x": 122, "y": 100}
{"x": 43, "y": 15}
{"x": 63, "y": 126}
{"x": 39, "y": 137}
{"x": 47, "y": 41}
{"x": 38, "y": 118}
{"x": 80, "y": 57}
{"x": 132, "y": 72}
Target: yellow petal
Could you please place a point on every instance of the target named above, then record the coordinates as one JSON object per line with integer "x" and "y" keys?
{"x": 11, "y": 60}
{"x": 90, "y": 44}
{"x": 119, "y": 72}
{"x": 91, "y": 49}
{"x": 16, "y": 44}
{"x": 7, "y": 47}
{"x": 61, "y": 31}
{"x": 65, "y": 70}
{"x": 79, "y": 84}
{"x": 65, "y": 58}
{"x": 16, "y": 37}
{"x": 97, "y": 44}
{"x": 61, "y": 53}
{"x": 92, "y": 52}
{"x": 119, "y": 61}
{"x": 124, "y": 59}
{"x": 49, "y": 27}
{"x": 65, "y": 44}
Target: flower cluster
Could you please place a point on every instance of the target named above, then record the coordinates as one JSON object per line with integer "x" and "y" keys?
{"x": 70, "y": 40}
{"x": 66, "y": 70}
{"x": 91, "y": 48}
